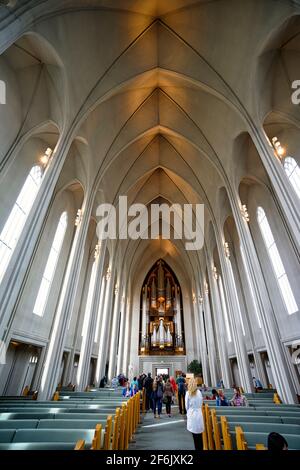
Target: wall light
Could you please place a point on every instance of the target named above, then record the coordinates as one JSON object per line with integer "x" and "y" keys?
{"x": 97, "y": 250}
{"x": 226, "y": 250}
{"x": 108, "y": 274}
{"x": 46, "y": 157}
{"x": 279, "y": 150}
{"x": 78, "y": 217}
{"x": 244, "y": 212}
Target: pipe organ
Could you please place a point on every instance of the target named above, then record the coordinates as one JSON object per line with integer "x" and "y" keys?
{"x": 161, "y": 325}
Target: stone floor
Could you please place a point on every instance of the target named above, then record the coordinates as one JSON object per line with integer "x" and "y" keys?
{"x": 164, "y": 433}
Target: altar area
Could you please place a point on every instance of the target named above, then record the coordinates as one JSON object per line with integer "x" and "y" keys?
{"x": 156, "y": 364}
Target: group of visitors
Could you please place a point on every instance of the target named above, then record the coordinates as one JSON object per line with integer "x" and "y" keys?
{"x": 163, "y": 390}
{"x": 160, "y": 390}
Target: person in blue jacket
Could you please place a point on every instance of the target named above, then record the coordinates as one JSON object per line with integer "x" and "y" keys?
{"x": 127, "y": 391}
{"x": 221, "y": 400}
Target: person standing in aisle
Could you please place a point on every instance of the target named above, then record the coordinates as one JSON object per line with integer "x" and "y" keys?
{"x": 195, "y": 422}
{"x": 168, "y": 395}
{"x": 181, "y": 384}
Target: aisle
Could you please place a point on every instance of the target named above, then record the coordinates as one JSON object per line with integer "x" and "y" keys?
{"x": 164, "y": 433}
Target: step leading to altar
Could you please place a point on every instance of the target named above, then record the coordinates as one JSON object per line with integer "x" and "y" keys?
{"x": 162, "y": 364}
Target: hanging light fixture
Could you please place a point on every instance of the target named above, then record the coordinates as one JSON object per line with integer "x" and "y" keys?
{"x": 279, "y": 150}
{"x": 215, "y": 273}
{"x": 200, "y": 299}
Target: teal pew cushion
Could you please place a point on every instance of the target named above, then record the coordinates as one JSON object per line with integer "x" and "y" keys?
{"x": 70, "y": 424}
{"x": 19, "y": 424}
{"x": 37, "y": 446}
{"x": 54, "y": 435}
{"x": 7, "y": 435}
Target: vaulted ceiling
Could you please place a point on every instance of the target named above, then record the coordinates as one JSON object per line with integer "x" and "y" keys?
{"x": 155, "y": 93}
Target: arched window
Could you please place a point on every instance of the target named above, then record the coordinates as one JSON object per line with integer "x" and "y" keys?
{"x": 275, "y": 258}
{"x": 16, "y": 220}
{"x": 293, "y": 173}
{"x": 50, "y": 268}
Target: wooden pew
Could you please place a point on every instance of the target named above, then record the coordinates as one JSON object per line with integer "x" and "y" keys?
{"x": 241, "y": 443}
{"x": 260, "y": 447}
{"x": 216, "y": 430}
{"x": 115, "y": 436}
{"x": 227, "y": 442}
{"x": 209, "y": 428}
{"x": 108, "y": 428}
{"x": 80, "y": 445}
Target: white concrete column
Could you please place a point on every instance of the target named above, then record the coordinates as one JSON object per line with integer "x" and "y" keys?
{"x": 221, "y": 331}
{"x": 210, "y": 338}
{"x": 237, "y": 330}
{"x": 203, "y": 350}
{"x": 144, "y": 317}
{"x": 274, "y": 347}
{"x": 178, "y": 318}
{"x": 126, "y": 338}
{"x": 114, "y": 332}
{"x": 91, "y": 310}
{"x": 121, "y": 337}
{"x": 105, "y": 323}
{"x": 65, "y": 307}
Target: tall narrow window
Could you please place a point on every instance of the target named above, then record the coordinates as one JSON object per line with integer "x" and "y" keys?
{"x": 49, "y": 272}
{"x": 16, "y": 220}
{"x": 293, "y": 173}
{"x": 275, "y": 258}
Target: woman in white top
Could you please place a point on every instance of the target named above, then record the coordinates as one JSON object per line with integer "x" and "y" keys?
{"x": 193, "y": 404}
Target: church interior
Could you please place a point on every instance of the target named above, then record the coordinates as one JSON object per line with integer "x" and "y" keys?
{"x": 173, "y": 102}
